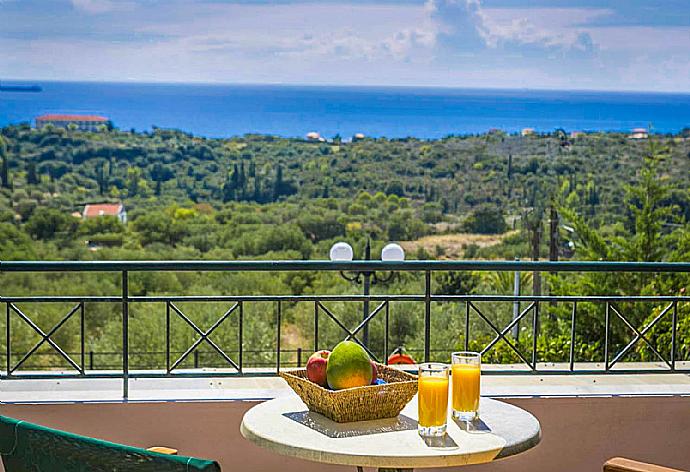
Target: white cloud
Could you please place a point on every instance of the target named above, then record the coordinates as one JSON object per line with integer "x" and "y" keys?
{"x": 465, "y": 24}
{"x": 101, "y": 6}
{"x": 441, "y": 42}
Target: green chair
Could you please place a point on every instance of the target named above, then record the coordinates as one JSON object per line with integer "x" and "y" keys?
{"x": 26, "y": 447}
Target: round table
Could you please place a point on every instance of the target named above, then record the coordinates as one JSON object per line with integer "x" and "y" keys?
{"x": 285, "y": 426}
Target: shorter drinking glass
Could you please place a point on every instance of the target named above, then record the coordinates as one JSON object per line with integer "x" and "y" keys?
{"x": 433, "y": 399}
{"x": 467, "y": 368}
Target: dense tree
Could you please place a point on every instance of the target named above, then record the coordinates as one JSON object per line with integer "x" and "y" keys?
{"x": 103, "y": 224}
{"x": 160, "y": 227}
{"x": 49, "y": 223}
{"x": 485, "y": 219}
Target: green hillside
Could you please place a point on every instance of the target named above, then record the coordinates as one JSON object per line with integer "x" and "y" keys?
{"x": 262, "y": 197}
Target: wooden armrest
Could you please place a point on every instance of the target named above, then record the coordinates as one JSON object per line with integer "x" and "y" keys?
{"x": 619, "y": 464}
{"x": 163, "y": 450}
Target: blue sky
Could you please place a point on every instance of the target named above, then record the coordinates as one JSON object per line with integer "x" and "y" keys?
{"x": 566, "y": 44}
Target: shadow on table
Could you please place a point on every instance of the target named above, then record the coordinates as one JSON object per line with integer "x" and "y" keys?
{"x": 332, "y": 429}
{"x": 476, "y": 426}
{"x": 442, "y": 442}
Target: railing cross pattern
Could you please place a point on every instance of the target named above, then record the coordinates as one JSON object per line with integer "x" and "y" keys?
{"x": 204, "y": 336}
{"x": 500, "y": 334}
{"x": 510, "y": 325}
{"x": 351, "y": 335}
{"x": 45, "y": 337}
{"x": 639, "y": 334}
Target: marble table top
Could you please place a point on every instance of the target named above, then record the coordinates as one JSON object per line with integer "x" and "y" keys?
{"x": 285, "y": 426}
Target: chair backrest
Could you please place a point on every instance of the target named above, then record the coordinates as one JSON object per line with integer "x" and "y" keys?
{"x": 620, "y": 464}
{"x": 26, "y": 447}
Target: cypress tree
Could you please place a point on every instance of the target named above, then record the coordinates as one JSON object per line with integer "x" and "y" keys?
{"x": 100, "y": 177}
{"x": 278, "y": 184}
{"x": 235, "y": 177}
{"x": 31, "y": 175}
{"x": 230, "y": 185}
{"x": 242, "y": 182}
{"x": 257, "y": 187}
{"x": 4, "y": 169}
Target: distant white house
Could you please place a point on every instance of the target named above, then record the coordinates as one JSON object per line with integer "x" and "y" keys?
{"x": 527, "y": 132}
{"x": 358, "y": 137}
{"x": 105, "y": 209}
{"x": 576, "y": 134}
{"x": 314, "y": 136}
{"x": 639, "y": 133}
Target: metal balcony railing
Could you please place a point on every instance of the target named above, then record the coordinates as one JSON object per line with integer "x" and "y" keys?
{"x": 174, "y": 360}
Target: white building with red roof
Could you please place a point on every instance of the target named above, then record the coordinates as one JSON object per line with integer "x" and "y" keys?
{"x": 105, "y": 209}
{"x": 83, "y": 122}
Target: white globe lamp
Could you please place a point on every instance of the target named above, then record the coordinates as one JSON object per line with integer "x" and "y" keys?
{"x": 392, "y": 253}
{"x": 341, "y": 252}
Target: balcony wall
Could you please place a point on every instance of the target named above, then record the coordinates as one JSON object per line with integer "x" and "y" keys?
{"x": 579, "y": 433}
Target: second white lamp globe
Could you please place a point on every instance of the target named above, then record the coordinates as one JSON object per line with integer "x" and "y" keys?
{"x": 341, "y": 252}
{"x": 392, "y": 253}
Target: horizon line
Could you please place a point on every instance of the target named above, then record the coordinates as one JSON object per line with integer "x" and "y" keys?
{"x": 326, "y": 85}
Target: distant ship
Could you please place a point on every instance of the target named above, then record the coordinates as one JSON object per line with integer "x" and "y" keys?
{"x": 20, "y": 88}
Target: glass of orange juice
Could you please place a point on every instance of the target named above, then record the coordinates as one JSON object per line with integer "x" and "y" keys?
{"x": 433, "y": 399}
{"x": 466, "y": 371}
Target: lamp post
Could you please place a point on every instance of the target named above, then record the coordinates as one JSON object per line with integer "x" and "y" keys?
{"x": 343, "y": 252}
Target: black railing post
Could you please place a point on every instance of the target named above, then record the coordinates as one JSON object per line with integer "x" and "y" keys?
{"x": 83, "y": 348}
{"x": 167, "y": 337}
{"x": 572, "y": 337}
{"x": 90, "y": 360}
{"x": 673, "y": 335}
{"x": 125, "y": 335}
{"x": 535, "y": 334}
{"x": 467, "y": 325}
{"x": 8, "y": 348}
{"x": 365, "y": 307}
{"x": 278, "y": 321}
{"x": 385, "y": 337}
{"x": 606, "y": 336}
{"x": 316, "y": 326}
{"x": 366, "y": 289}
{"x": 196, "y": 359}
{"x": 427, "y": 316}
{"x": 241, "y": 351}
{"x": 299, "y": 357}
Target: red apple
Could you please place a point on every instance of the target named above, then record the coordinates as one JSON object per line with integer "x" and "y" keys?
{"x": 316, "y": 367}
{"x": 374, "y": 372}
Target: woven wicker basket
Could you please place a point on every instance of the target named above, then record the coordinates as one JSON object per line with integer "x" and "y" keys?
{"x": 356, "y": 404}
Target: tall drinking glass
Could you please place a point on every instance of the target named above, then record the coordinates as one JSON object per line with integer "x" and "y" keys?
{"x": 466, "y": 366}
{"x": 433, "y": 399}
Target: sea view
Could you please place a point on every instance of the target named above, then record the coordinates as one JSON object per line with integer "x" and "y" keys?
{"x": 394, "y": 112}
{"x": 344, "y": 235}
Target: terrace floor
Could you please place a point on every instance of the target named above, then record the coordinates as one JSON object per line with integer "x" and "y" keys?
{"x": 585, "y": 419}
{"x": 266, "y": 387}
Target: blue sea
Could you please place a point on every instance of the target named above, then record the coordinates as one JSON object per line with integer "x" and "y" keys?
{"x": 395, "y": 112}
